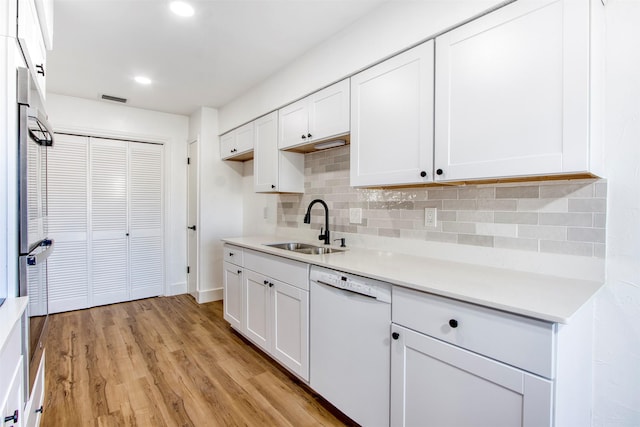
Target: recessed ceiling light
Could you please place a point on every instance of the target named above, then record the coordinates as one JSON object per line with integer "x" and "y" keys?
{"x": 181, "y": 8}
{"x": 143, "y": 80}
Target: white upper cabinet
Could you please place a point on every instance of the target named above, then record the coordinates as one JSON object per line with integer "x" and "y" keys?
{"x": 320, "y": 116}
{"x": 512, "y": 93}
{"x": 32, "y": 42}
{"x": 392, "y": 120}
{"x": 238, "y": 143}
{"x": 275, "y": 170}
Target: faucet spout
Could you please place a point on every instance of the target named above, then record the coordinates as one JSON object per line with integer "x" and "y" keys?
{"x": 307, "y": 220}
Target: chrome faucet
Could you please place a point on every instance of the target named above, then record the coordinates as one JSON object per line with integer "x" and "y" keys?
{"x": 307, "y": 220}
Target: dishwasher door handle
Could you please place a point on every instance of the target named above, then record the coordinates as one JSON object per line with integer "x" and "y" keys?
{"x": 345, "y": 290}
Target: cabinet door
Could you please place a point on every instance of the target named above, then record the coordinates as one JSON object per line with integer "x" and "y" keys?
{"x": 33, "y": 409}
{"x": 233, "y": 294}
{"x": 146, "y": 243}
{"x": 290, "y": 327}
{"x": 256, "y": 309}
{"x": 437, "y": 384}
{"x": 14, "y": 398}
{"x": 237, "y": 144}
{"x": 227, "y": 145}
{"x": 294, "y": 124}
{"x": 329, "y": 112}
{"x": 392, "y": 120}
{"x": 512, "y": 92}
{"x": 265, "y": 164}
{"x": 109, "y": 216}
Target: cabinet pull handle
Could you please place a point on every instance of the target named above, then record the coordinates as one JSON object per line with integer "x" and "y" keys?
{"x": 439, "y": 172}
{"x": 13, "y": 417}
{"x": 423, "y": 174}
{"x": 40, "y": 69}
{"x": 266, "y": 282}
{"x": 230, "y": 253}
{"x": 308, "y": 135}
{"x": 239, "y": 271}
{"x": 304, "y": 136}
{"x": 40, "y": 409}
{"x": 273, "y": 186}
{"x": 270, "y": 285}
{"x": 395, "y": 335}
{"x": 453, "y": 323}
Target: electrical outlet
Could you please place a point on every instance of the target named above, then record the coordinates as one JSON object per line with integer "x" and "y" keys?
{"x": 430, "y": 217}
{"x": 355, "y": 215}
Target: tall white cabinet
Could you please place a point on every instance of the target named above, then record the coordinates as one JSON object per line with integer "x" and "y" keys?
{"x": 106, "y": 216}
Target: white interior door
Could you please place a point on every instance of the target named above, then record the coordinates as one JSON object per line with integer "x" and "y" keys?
{"x": 108, "y": 161}
{"x": 146, "y": 243}
{"x": 67, "y": 187}
{"x": 192, "y": 218}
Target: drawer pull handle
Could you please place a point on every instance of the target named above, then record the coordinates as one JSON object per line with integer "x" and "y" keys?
{"x": 40, "y": 410}
{"x": 453, "y": 323}
{"x": 266, "y": 282}
{"x": 395, "y": 335}
{"x": 239, "y": 271}
{"x": 13, "y": 418}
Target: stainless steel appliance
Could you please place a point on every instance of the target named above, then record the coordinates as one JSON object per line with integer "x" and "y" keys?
{"x": 350, "y": 344}
{"x": 34, "y": 136}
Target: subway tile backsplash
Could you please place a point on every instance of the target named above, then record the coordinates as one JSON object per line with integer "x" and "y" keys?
{"x": 564, "y": 217}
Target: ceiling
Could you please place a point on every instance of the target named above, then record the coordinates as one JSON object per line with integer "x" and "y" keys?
{"x": 209, "y": 59}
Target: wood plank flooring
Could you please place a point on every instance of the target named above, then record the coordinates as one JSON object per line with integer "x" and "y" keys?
{"x": 168, "y": 361}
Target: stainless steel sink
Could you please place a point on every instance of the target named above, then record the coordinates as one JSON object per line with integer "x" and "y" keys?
{"x": 304, "y": 248}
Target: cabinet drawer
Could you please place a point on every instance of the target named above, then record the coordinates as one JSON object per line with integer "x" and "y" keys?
{"x": 516, "y": 340}
{"x": 233, "y": 254}
{"x": 293, "y": 272}
{"x": 10, "y": 353}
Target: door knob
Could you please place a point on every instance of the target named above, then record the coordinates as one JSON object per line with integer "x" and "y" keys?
{"x": 193, "y": 227}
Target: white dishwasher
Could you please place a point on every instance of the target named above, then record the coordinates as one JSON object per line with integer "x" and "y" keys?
{"x": 350, "y": 324}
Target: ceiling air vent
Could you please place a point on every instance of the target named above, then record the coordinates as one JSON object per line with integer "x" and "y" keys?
{"x": 114, "y": 98}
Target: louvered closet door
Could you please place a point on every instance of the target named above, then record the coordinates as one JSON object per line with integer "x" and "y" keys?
{"x": 68, "y": 267}
{"x": 109, "y": 241}
{"x": 146, "y": 246}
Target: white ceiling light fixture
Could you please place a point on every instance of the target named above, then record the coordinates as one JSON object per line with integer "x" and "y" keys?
{"x": 181, "y": 8}
{"x": 142, "y": 80}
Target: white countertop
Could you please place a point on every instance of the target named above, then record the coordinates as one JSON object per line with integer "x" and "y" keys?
{"x": 544, "y": 297}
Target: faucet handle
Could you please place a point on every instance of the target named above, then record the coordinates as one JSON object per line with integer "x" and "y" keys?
{"x": 322, "y": 235}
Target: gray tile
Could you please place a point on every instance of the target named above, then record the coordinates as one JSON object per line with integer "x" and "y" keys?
{"x": 567, "y": 248}
{"x": 543, "y": 205}
{"x": 475, "y": 216}
{"x": 428, "y": 204}
{"x": 601, "y": 189}
{"x": 472, "y": 239}
{"x": 497, "y": 205}
{"x": 599, "y": 250}
{"x": 468, "y": 193}
{"x": 600, "y": 220}
{"x": 588, "y": 205}
{"x": 523, "y": 192}
{"x": 440, "y": 194}
{"x": 516, "y": 243}
{"x": 594, "y": 235}
{"x": 583, "y": 189}
{"x": 459, "y": 227}
{"x": 492, "y": 229}
{"x": 447, "y": 215}
{"x": 436, "y": 236}
{"x": 459, "y": 205}
{"x": 413, "y": 234}
{"x": 542, "y": 232}
{"x": 569, "y": 219}
{"x": 516, "y": 217}
{"x": 387, "y": 232}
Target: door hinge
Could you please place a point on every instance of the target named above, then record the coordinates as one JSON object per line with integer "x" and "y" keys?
{"x": 188, "y": 269}
{"x": 188, "y": 160}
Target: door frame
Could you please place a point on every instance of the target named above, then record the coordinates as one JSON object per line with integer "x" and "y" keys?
{"x": 196, "y": 164}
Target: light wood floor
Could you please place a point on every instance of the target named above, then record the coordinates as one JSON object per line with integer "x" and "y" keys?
{"x": 167, "y": 362}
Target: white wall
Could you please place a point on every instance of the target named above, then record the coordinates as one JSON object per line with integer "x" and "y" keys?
{"x": 259, "y": 209}
{"x": 387, "y": 30}
{"x": 220, "y": 203}
{"x": 89, "y": 117}
{"x": 617, "y": 347}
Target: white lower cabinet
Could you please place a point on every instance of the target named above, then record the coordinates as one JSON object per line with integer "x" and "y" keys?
{"x": 34, "y": 409}
{"x": 274, "y": 308}
{"x": 12, "y": 408}
{"x": 437, "y": 384}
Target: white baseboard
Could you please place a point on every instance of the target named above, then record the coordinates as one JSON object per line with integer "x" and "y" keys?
{"x": 177, "y": 288}
{"x": 209, "y": 295}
